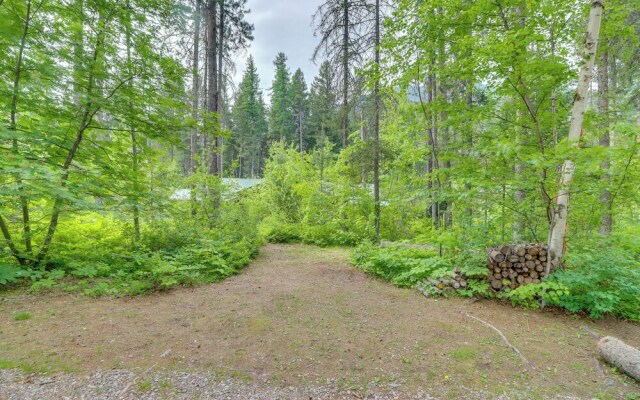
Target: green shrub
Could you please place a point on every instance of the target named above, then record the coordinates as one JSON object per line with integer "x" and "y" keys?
{"x": 282, "y": 232}
{"x": 329, "y": 235}
{"x": 403, "y": 266}
{"x": 531, "y": 296}
{"x": 601, "y": 282}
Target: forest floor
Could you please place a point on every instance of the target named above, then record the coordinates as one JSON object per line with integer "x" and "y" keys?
{"x": 299, "y": 322}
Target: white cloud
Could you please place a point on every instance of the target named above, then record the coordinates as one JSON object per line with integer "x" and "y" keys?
{"x": 280, "y": 25}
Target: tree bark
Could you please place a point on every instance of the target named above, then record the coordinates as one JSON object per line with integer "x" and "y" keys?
{"x": 606, "y": 220}
{"x": 345, "y": 73}
{"x": 212, "y": 105}
{"x": 195, "y": 76}
{"x": 132, "y": 133}
{"x": 12, "y": 247}
{"x": 620, "y": 354}
{"x": 558, "y": 226}
{"x": 376, "y": 126}
{"x": 24, "y": 201}
{"x": 219, "y": 139}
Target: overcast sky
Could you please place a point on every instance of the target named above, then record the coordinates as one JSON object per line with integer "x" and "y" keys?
{"x": 280, "y": 25}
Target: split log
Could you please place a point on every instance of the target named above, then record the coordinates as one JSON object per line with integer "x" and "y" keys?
{"x": 521, "y": 264}
{"x": 620, "y": 354}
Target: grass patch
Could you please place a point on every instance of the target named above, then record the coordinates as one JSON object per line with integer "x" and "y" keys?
{"x": 145, "y": 386}
{"x": 22, "y": 316}
{"x": 259, "y": 325}
{"x": 463, "y": 354}
{"x": 45, "y": 365}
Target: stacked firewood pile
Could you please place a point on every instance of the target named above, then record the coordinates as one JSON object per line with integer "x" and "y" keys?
{"x": 516, "y": 265}
{"x": 455, "y": 281}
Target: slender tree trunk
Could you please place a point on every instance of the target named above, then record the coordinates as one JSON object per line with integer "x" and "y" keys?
{"x": 559, "y": 221}
{"x": 12, "y": 247}
{"x": 606, "y": 220}
{"x": 136, "y": 186}
{"x": 345, "y": 73}
{"x": 520, "y": 195}
{"x": 195, "y": 112}
{"x": 212, "y": 49}
{"x": 434, "y": 164}
{"x": 220, "y": 139}
{"x": 132, "y": 133}
{"x": 87, "y": 117}
{"x": 24, "y": 200}
{"x": 554, "y": 95}
{"x": 195, "y": 77}
{"x": 376, "y": 125}
{"x": 467, "y": 185}
{"x": 205, "y": 94}
{"x": 300, "y": 131}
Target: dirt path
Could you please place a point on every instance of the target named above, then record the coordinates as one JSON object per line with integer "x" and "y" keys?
{"x": 299, "y": 319}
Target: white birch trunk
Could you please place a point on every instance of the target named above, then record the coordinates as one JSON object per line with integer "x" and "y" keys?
{"x": 558, "y": 229}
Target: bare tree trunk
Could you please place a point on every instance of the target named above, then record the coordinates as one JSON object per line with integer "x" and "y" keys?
{"x": 136, "y": 186}
{"x": 12, "y": 247}
{"x": 520, "y": 196}
{"x": 212, "y": 105}
{"x": 467, "y": 185}
{"x": 195, "y": 112}
{"x": 558, "y": 226}
{"x": 376, "y": 126}
{"x": 205, "y": 95}
{"x": 434, "y": 164}
{"x": 24, "y": 201}
{"x": 134, "y": 144}
{"x": 219, "y": 139}
{"x": 193, "y": 144}
{"x": 606, "y": 220}
{"x": 300, "y": 131}
{"x": 345, "y": 74}
{"x": 554, "y": 95}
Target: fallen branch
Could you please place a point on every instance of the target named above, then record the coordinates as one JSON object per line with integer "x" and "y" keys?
{"x": 591, "y": 332}
{"x": 511, "y": 346}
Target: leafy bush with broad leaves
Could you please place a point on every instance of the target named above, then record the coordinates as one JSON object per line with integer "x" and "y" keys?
{"x": 409, "y": 267}
{"x": 532, "y": 296}
{"x": 601, "y": 282}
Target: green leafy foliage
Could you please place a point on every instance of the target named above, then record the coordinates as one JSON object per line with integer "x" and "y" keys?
{"x": 531, "y": 296}
{"x": 404, "y": 266}
{"x": 601, "y": 282}
{"x": 9, "y": 274}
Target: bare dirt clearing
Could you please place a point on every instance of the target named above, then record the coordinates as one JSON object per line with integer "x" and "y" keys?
{"x": 299, "y": 317}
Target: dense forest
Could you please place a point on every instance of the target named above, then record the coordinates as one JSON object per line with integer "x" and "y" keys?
{"x": 451, "y": 126}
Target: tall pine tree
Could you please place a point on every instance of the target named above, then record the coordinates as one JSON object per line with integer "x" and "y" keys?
{"x": 249, "y": 126}
{"x": 281, "y": 121}
{"x": 300, "y": 107}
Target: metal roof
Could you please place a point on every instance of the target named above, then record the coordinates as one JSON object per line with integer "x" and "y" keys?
{"x": 233, "y": 185}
